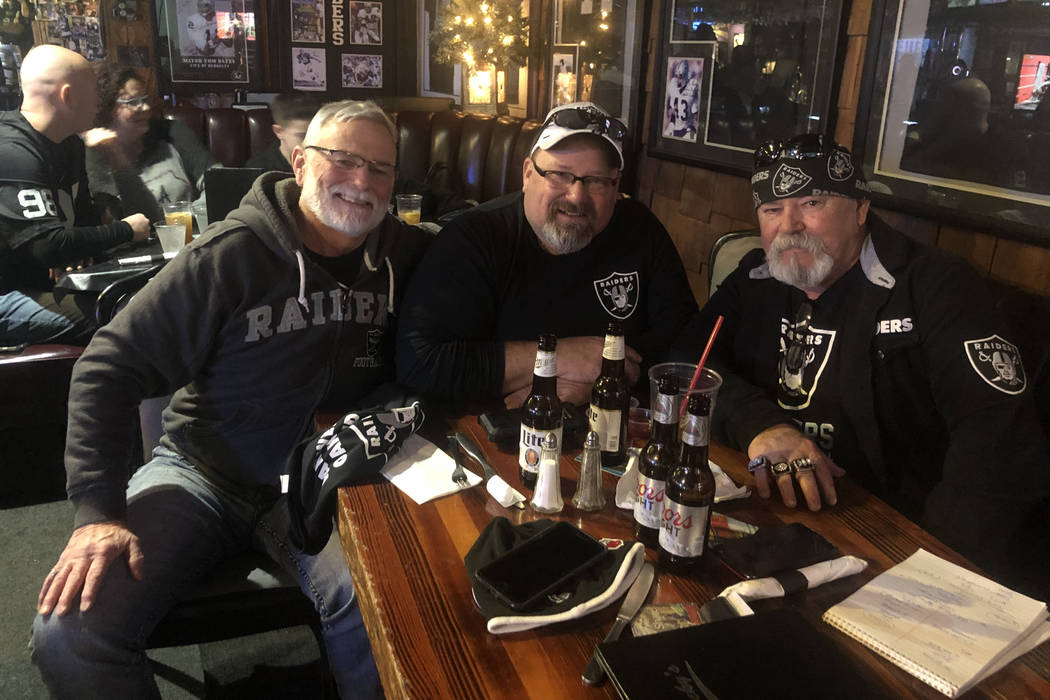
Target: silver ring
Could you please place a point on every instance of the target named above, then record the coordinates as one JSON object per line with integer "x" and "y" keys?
{"x": 760, "y": 462}
{"x": 781, "y": 468}
{"x": 802, "y": 464}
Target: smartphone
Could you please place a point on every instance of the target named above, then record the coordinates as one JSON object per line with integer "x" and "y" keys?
{"x": 524, "y": 575}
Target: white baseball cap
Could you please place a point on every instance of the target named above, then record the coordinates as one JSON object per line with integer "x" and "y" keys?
{"x": 580, "y": 118}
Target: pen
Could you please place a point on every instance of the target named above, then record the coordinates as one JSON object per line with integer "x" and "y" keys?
{"x": 146, "y": 259}
{"x": 732, "y": 524}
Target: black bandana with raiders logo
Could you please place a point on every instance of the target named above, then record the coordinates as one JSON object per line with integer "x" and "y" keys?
{"x": 832, "y": 174}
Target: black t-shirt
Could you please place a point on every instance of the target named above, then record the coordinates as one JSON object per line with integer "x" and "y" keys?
{"x": 344, "y": 268}
{"x": 810, "y": 381}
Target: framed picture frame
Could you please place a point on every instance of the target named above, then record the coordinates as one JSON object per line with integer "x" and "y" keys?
{"x": 564, "y": 74}
{"x": 208, "y": 43}
{"x": 731, "y": 74}
{"x": 954, "y": 116}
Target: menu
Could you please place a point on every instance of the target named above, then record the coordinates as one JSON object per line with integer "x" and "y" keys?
{"x": 947, "y": 626}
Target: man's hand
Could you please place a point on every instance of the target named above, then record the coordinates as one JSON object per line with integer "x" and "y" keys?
{"x": 783, "y": 443}
{"x": 83, "y": 563}
{"x": 139, "y": 226}
{"x": 105, "y": 140}
{"x": 55, "y": 272}
{"x": 580, "y": 360}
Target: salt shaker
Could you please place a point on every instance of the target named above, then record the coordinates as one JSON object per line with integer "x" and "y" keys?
{"x": 589, "y": 494}
{"x": 547, "y": 496}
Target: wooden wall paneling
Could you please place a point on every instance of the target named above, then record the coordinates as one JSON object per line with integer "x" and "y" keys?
{"x": 922, "y": 230}
{"x": 1022, "y": 265}
{"x": 977, "y": 248}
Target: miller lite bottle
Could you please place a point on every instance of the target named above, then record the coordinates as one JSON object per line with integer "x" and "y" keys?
{"x": 658, "y": 457}
{"x": 610, "y": 400}
{"x": 541, "y": 412}
{"x": 689, "y": 495}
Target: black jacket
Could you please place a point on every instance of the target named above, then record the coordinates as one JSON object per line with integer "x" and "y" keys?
{"x": 941, "y": 442}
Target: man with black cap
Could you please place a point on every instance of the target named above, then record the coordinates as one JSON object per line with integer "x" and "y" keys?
{"x": 850, "y": 347}
{"x": 565, "y": 256}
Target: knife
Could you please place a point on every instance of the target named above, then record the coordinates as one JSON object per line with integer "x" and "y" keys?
{"x": 498, "y": 488}
{"x": 594, "y": 673}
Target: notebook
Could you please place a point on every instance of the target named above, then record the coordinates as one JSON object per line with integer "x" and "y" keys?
{"x": 225, "y": 187}
{"x": 767, "y": 655}
{"x": 947, "y": 626}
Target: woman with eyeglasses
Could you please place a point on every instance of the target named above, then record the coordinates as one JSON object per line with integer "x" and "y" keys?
{"x": 136, "y": 160}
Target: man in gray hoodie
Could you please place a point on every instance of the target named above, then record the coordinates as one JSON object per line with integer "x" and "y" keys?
{"x": 291, "y": 299}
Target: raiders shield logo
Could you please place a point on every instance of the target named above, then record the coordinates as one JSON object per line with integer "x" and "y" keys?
{"x": 618, "y": 293}
{"x": 997, "y": 362}
{"x": 789, "y": 180}
{"x": 803, "y": 357}
{"x": 840, "y": 166}
{"x": 375, "y": 338}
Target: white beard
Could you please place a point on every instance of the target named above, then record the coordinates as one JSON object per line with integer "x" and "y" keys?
{"x": 789, "y": 271}
{"x": 352, "y": 224}
{"x": 565, "y": 238}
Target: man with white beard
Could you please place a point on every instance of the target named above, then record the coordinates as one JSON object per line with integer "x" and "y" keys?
{"x": 848, "y": 347}
{"x": 291, "y": 299}
{"x": 566, "y": 255}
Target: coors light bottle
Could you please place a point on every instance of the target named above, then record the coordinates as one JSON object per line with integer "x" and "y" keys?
{"x": 541, "y": 412}
{"x": 658, "y": 457}
{"x": 689, "y": 495}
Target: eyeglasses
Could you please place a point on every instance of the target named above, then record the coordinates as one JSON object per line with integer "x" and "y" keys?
{"x": 590, "y": 119}
{"x": 352, "y": 161}
{"x": 594, "y": 184}
{"x": 134, "y": 102}
{"x": 802, "y": 146}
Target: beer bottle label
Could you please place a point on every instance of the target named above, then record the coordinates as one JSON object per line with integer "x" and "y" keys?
{"x": 530, "y": 447}
{"x": 649, "y": 505}
{"x": 605, "y": 422}
{"x": 683, "y": 528}
{"x": 546, "y": 364}
{"x": 666, "y": 406}
{"x": 695, "y": 430}
{"x": 614, "y": 348}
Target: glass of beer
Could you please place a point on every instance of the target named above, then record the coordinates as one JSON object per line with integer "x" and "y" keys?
{"x": 409, "y": 208}
{"x": 708, "y": 383}
{"x": 179, "y": 213}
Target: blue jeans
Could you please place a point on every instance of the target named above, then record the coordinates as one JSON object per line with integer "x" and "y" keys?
{"x": 37, "y": 317}
{"x": 186, "y": 524}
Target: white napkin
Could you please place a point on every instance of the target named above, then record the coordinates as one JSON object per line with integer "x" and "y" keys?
{"x": 816, "y": 574}
{"x": 627, "y": 486}
{"x": 423, "y": 472}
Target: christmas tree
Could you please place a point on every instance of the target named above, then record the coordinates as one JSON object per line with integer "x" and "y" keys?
{"x": 492, "y": 35}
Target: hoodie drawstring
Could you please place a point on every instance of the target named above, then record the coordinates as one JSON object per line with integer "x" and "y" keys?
{"x": 302, "y": 280}
{"x": 390, "y": 279}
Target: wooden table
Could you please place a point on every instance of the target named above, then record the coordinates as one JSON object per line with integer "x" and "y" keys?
{"x": 430, "y": 641}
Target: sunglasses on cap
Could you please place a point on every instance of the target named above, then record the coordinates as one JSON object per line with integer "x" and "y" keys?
{"x": 590, "y": 119}
{"x": 802, "y": 146}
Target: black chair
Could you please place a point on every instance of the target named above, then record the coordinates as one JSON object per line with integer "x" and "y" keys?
{"x": 726, "y": 254}
{"x": 247, "y": 594}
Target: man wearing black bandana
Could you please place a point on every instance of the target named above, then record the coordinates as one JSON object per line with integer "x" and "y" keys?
{"x": 847, "y": 344}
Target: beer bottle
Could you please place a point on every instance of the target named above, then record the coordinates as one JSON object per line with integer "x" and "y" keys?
{"x": 610, "y": 400}
{"x": 656, "y": 460}
{"x": 541, "y": 412}
{"x": 689, "y": 494}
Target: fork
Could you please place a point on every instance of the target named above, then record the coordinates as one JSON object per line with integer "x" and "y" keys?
{"x": 459, "y": 475}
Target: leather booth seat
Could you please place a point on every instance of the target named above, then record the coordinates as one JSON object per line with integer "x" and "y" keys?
{"x": 483, "y": 153}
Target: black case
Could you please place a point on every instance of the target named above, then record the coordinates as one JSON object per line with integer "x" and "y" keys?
{"x": 775, "y": 549}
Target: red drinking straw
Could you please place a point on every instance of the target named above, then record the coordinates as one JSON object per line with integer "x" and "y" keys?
{"x": 703, "y": 359}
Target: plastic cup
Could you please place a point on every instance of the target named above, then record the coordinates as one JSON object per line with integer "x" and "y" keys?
{"x": 410, "y": 208}
{"x": 638, "y": 427}
{"x": 179, "y": 213}
{"x": 200, "y": 214}
{"x": 707, "y": 384}
{"x": 172, "y": 237}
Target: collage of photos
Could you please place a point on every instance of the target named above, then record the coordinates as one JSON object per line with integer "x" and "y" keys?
{"x": 362, "y": 24}
{"x": 75, "y": 26}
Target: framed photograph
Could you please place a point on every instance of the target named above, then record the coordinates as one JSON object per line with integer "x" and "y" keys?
{"x": 362, "y": 70}
{"x": 308, "y": 69}
{"x": 682, "y": 106}
{"x": 735, "y": 73}
{"x": 208, "y": 41}
{"x": 954, "y": 120}
{"x": 366, "y": 23}
{"x": 563, "y": 74}
{"x": 307, "y": 21}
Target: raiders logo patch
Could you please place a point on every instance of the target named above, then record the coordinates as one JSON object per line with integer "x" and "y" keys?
{"x": 840, "y": 166}
{"x": 618, "y": 293}
{"x": 997, "y": 362}
{"x": 789, "y": 180}
{"x": 803, "y": 356}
